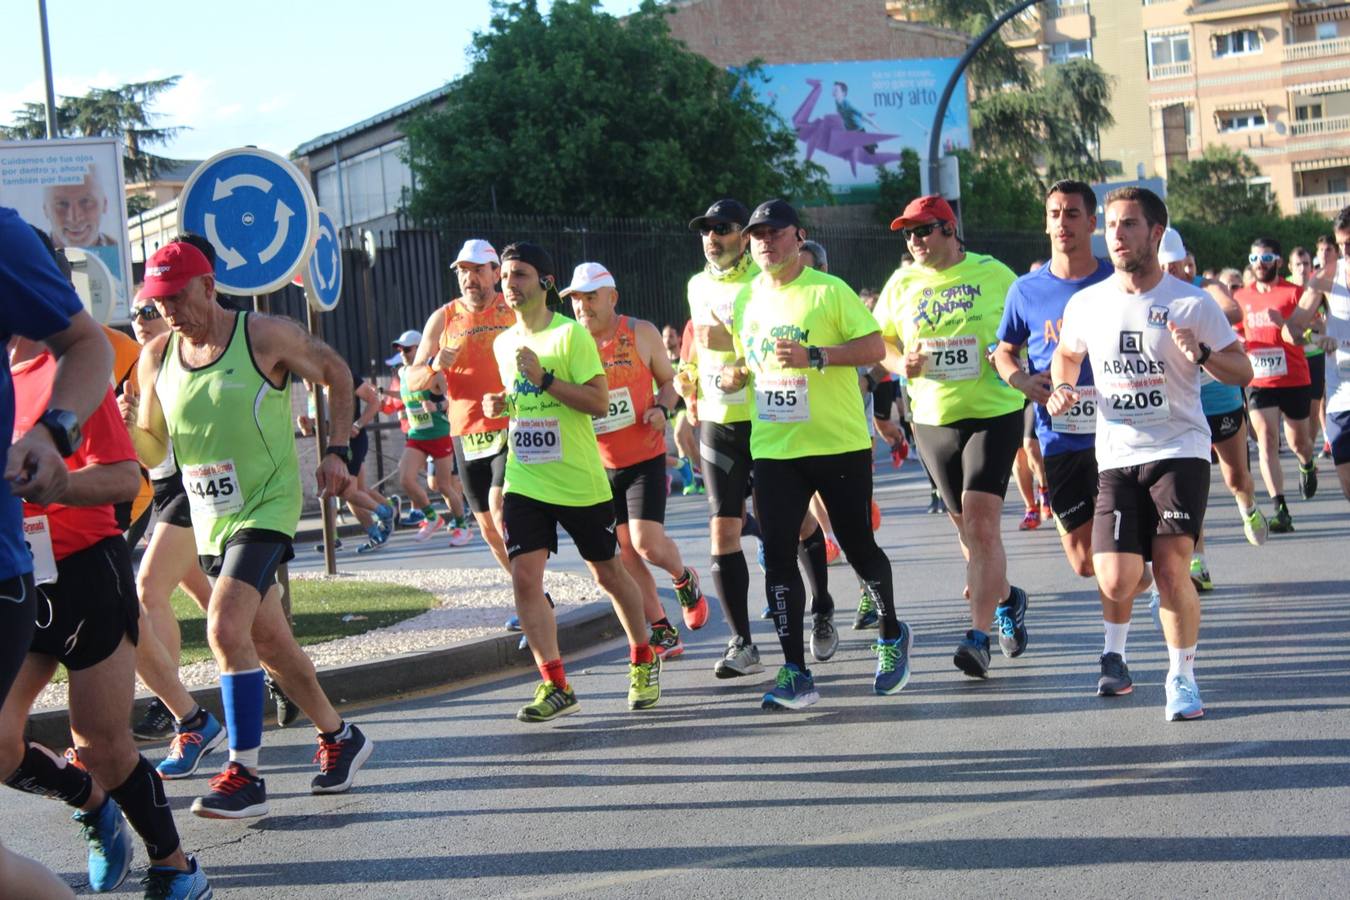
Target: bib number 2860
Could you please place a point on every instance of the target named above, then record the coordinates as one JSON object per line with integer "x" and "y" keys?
{"x": 536, "y": 440}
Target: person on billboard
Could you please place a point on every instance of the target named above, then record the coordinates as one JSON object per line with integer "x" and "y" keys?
{"x": 76, "y": 212}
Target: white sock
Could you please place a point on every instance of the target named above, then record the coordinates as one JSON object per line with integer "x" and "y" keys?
{"x": 1115, "y": 638}
{"x": 246, "y": 758}
{"x": 1246, "y": 511}
{"x": 1182, "y": 661}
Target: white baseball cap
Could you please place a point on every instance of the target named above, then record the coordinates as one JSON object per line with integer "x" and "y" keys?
{"x": 1171, "y": 249}
{"x": 476, "y": 252}
{"x": 409, "y": 338}
{"x": 588, "y": 277}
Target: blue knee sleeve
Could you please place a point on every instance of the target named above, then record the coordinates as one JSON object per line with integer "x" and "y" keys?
{"x": 242, "y": 695}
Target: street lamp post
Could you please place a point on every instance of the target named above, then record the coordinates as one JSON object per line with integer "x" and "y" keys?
{"x": 52, "y": 131}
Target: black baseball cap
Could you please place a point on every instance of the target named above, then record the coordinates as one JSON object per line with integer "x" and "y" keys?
{"x": 532, "y": 254}
{"x": 775, "y": 214}
{"x": 724, "y": 210}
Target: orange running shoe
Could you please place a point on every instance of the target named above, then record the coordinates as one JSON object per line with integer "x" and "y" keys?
{"x": 693, "y": 604}
{"x": 1031, "y": 520}
{"x": 876, "y": 516}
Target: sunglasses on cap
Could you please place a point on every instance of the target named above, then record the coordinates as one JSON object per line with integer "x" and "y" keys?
{"x": 721, "y": 229}
{"x": 1263, "y": 258}
{"x": 145, "y": 313}
{"x": 920, "y": 231}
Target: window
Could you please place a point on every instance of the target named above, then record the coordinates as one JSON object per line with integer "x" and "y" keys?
{"x": 1237, "y": 43}
{"x": 1165, "y": 49}
{"x": 1307, "y": 113}
{"x": 1338, "y": 185}
{"x": 1241, "y": 121}
{"x": 1326, "y": 31}
{"x": 1063, "y": 51}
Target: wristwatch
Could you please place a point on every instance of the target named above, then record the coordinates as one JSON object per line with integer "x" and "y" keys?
{"x": 341, "y": 451}
{"x": 664, "y": 410}
{"x": 1205, "y": 351}
{"x": 64, "y": 426}
{"x": 816, "y": 356}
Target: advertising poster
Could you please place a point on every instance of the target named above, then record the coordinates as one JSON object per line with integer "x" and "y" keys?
{"x": 73, "y": 190}
{"x": 852, "y": 117}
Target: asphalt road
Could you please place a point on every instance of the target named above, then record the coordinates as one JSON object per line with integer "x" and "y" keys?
{"x": 1025, "y": 784}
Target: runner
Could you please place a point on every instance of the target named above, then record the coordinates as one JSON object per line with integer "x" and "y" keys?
{"x": 809, "y": 435}
{"x": 243, "y": 486}
{"x": 1033, "y": 317}
{"x": 87, "y": 621}
{"x": 1301, "y": 272}
{"x": 1148, "y": 336}
{"x": 940, "y": 317}
{"x": 632, "y": 443}
{"x": 554, "y": 477}
{"x": 1281, "y": 385}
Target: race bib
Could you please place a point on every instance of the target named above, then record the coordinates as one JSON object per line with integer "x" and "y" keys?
{"x": 952, "y": 359}
{"x": 714, "y": 393}
{"x": 213, "y": 489}
{"x": 482, "y": 444}
{"x": 1135, "y": 400}
{"x": 536, "y": 440}
{"x": 620, "y": 413}
{"x": 37, "y": 534}
{"x": 1268, "y": 362}
{"x": 1081, "y": 418}
{"x": 419, "y": 418}
{"x": 782, "y": 398}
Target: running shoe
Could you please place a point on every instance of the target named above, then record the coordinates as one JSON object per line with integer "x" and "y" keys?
{"x": 833, "y": 557}
{"x": 337, "y": 545}
{"x": 1307, "y": 480}
{"x": 458, "y": 536}
{"x": 972, "y": 654}
{"x": 156, "y": 724}
{"x": 428, "y": 528}
{"x": 1031, "y": 520}
{"x": 893, "y": 662}
{"x": 1047, "y": 513}
{"x": 935, "y": 504}
{"x": 1012, "y": 630}
{"x": 1115, "y": 680}
{"x": 1255, "y": 527}
{"x": 414, "y": 517}
{"x": 665, "y": 640}
{"x": 387, "y": 517}
{"x": 1200, "y": 574}
{"x": 1154, "y": 605}
{"x": 1281, "y": 522}
{"x": 759, "y": 559}
{"x": 793, "y": 689}
{"x": 513, "y": 623}
{"x": 235, "y": 793}
{"x": 899, "y": 453}
{"x": 339, "y": 761}
{"x": 741, "y": 658}
{"x": 1183, "y": 699}
{"x": 376, "y": 538}
{"x": 693, "y": 604}
{"x": 690, "y": 490}
{"x": 109, "y": 839}
{"x": 866, "y": 616}
{"x": 766, "y": 612}
{"x": 1326, "y": 450}
{"x": 824, "y": 637}
{"x": 644, "y": 684}
{"x": 876, "y": 516}
{"x": 168, "y": 883}
{"x": 287, "y": 711}
{"x": 550, "y": 701}
{"x": 188, "y": 748}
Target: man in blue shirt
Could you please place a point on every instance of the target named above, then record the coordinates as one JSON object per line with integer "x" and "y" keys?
{"x": 1032, "y": 316}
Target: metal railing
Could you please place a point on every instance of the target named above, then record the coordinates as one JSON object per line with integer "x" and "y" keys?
{"x": 1169, "y": 70}
{"x": 1328, "y": 125}
{"x": 1316, "y": 49}
{"x": 1323, "y": 203}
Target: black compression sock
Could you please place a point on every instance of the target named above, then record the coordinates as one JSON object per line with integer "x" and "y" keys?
{"x": 731, "y": 577}
{"x": 44, "y": 773}
{"x": 811, "y": 555}
{"x": 143, "y": 802}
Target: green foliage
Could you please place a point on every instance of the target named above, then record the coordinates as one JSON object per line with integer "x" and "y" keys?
{"x": 1224, "y": 244}
{"x": 578, "y": 112}
{"x": 999, "y": 194}
{"x": 1214, "y": 189}
{"x": 896, "y": 187}
{"x": 996, "y": 66}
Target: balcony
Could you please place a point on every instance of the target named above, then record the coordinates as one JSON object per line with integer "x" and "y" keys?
{"x": 1321, "y": 126}
{"x": 1323, "y": 203}
{"x": 1316, "y": 49}
{"x": 1169, "y": 70}
{"x": 1065, "y": 8}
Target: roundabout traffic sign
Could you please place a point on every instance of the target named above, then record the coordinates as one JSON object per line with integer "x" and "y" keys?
{"x": 323, "y": 278}
{"x": 259, "y": 213}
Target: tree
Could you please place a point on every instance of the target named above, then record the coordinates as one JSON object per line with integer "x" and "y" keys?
{"x": 578, "y": 112}
{"x": 1216, "y": 188}
{"x": 897, "y": 187}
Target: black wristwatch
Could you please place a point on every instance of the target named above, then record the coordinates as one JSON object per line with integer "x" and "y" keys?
{"x": 664, "y": 410}
{"x": 341, "y": 451}
{"x": 1205, "y": 351}
{"x": 64, "y": 426}
{"x": 817, "y": 357}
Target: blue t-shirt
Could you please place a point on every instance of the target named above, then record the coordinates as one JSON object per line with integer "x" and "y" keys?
{"x": 36, "y": 301}
{"x": 1032, "y": 315}
{"x": 1218, "y": 398}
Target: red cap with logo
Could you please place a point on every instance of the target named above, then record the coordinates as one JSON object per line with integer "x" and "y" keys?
{"x": 170, "y": 268}
{"x": 922, "y": 210}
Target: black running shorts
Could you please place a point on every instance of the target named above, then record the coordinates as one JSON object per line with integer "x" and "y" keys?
{"x": 1317, "y": 374}
{"x": 530, "y": 525}
{"x": 971, "y": 455}
{"x": 1072, "y": 481}
{"x": 171, "y": 502}
{"x": 640, "y": 491}
{"x": 1137, "y": 503}
{"x": 483, "y": 473}
{"x": 83, "y": 614}
{"x": 725, "y": 451}
{"x": 1223, "y": 426}
{"x": 1294, "y": 402}
{"x": 251, "y": 555}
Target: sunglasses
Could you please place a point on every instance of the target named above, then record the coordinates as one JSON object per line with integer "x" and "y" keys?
{"x": 1263, "y": 258}
{"x": 145, "y": 313}
{"x": 405, "y": 349}
{"x": 921, "y": 231}
{"x": 721, "y": 229}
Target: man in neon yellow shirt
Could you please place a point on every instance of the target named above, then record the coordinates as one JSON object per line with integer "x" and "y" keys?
{"x": 555, "y": 382}
{"x": 940, "y": 318}
{"x": 800, "y": 335}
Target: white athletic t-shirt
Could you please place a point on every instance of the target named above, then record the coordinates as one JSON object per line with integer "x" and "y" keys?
{"x": 1148, "y": 392}
{"x": 1338, "y": 326}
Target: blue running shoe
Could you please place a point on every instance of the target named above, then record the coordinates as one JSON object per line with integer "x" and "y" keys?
{"x": 794, "y": 689}
{"x": 1183, "y": 701}
{"x": 513, "y": 623}
{"x": 167, "y": 883}
{"x": 188, "y": 748}
{"x": 972, "y": 654}
{"x": 893, "y": 662}
{"x": 759, "y": 558}
{"x": 1012, "y": 633}
{"x": 109, "y": 839}
{"x": 386, "y": 516}
{"x": 414, "y": 518}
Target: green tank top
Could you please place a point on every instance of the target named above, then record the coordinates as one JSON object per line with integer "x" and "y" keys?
{"x": 231, "y": 432}
{"x": 426, "y": 416}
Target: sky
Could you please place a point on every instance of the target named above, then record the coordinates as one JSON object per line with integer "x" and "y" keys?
{"x": 273, "y": 74}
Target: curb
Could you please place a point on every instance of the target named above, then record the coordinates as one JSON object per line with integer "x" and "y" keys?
{"x": 392, "y": 676}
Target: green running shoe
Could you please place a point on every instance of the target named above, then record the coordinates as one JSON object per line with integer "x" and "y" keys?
{"x": 550, "y": 701}
{"x": 1200, "y": 574}
{"x": 644, "y": 684}
{"x": 1281, "y": 522}
{"x": 1255, "y": 527}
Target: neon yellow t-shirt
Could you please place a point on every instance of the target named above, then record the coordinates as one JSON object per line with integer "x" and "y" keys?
{"x": 553, "y": 455}
{"x": 952, "y": 315}
{"x": 712, "y": 299}
{"x": 802, "y": 412}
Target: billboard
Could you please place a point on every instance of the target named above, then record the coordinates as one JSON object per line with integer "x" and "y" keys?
{"x": 852, "y": 117}
{"x": 73, "y": 190}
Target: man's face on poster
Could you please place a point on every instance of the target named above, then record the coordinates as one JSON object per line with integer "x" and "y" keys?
{"x": 75, "y": 211}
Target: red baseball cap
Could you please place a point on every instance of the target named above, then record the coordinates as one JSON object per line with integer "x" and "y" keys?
{"x": 170, "y": 268}
{"x": 922, "y": 210}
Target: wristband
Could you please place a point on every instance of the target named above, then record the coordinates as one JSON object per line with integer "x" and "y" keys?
{"x": 546, "y": 382}
{"x": 665, "y": 412}
{"x": 1205, "y": 351}
{"x": 1064, "y": 384}
{"x": 341, "y": 451}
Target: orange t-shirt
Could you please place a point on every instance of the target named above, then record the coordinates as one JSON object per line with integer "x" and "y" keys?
{"x": 475, "y": 370}
{"x": 125, "y": 354}
{"x": 624, "y": 438}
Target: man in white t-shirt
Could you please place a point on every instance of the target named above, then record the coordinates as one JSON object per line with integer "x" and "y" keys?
{"x": 1148, "y": 335}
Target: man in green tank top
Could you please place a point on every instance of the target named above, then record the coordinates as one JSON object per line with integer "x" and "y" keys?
{"x": 218, "y": 385}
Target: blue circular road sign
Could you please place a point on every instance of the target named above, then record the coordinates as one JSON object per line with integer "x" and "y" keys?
{"x": 323, "y": 278}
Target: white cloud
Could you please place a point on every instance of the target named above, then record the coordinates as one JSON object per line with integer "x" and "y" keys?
{"x": 275, "y": 104}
